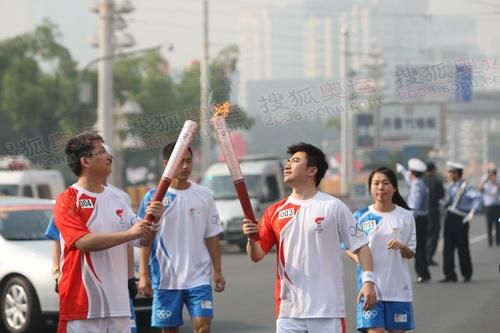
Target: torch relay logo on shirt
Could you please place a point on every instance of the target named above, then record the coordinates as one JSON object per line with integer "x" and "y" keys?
{"x": 119, "y": 213}
{"x": 319, "y": 221}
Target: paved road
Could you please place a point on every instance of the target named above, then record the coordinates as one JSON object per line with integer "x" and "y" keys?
{"x": 247, "y": 305}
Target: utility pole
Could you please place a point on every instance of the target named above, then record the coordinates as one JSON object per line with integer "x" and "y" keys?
{"x": 109, "y": 22}
{"x": 204, "y": 94}
{"x": 105, "y": 75}
{"x": 486, "y": 157}
{"x": 345, "y": 131}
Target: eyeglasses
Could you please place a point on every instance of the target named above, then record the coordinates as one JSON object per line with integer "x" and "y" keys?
{"x": 99, "y": 152}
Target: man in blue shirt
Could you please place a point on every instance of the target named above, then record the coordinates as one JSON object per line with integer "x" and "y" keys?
{"x": 462, "y": 201}
{"x": 491, "y": 190}
{"x": 53, "y": 233}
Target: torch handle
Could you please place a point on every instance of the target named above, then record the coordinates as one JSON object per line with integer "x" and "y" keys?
{"x": 160, "y": 193}
{"x": 246, "y": 205}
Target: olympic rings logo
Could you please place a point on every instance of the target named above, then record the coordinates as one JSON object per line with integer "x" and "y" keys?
{"x": 163, "y": 314}
{"x": 370, "y": 314}
{"x": 356, "y": 231}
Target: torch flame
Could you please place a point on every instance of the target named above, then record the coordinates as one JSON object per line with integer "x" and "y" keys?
{"x": 222, "y": 109}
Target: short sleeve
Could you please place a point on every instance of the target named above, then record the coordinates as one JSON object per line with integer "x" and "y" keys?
{"x": 52, "y": 232}
{"x": 267, "y": 238}
{"x": 214, "y": 225}
{"x": 411, "y": 234}
{"x": 67, "y": 218}
{"x": 350, "y": 233}
{"x": 144, "y": 203}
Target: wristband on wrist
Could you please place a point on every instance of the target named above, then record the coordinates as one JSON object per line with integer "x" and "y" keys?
{"x": 368, "y": 277}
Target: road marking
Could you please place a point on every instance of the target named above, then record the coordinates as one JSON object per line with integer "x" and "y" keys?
{"x": 477, "y": 239}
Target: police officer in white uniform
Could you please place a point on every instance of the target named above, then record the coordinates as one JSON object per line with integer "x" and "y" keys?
{"x": 490, "y": 189}
{"x": 418, "y": 201}
{"x": 462, "y": 201}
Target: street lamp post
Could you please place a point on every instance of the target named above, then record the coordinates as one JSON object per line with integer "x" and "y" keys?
{"x": 104, "y": 124}
{"x": 204, "y": 93}
{"x": 105, "y": 80}
{"x": 345, "y": 133}
{"x": 91, "y": 63}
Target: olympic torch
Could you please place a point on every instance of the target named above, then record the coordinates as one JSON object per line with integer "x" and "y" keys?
{"x": 180, "y": 148}
{"x": 219, "y": 123}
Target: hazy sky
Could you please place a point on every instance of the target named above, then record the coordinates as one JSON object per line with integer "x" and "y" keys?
{"x": 179, "y": 22}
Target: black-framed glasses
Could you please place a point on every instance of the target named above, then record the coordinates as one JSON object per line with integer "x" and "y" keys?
{"x": 101, "y": 151}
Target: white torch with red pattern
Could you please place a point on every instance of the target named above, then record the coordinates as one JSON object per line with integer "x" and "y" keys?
{"x": 219, "y": 123}
{"x": 180, "y": 149}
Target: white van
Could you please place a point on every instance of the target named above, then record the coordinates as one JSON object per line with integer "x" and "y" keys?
{"x": 46, "y": 184}
{"x": 264, "y": 180}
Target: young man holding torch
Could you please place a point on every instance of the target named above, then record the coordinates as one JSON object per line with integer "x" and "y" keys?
{"x": 95, "y": 226}
{"x": 183, "y": 253}
{"x": 308, "y": 228}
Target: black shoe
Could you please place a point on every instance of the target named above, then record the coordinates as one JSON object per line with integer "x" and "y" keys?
{"x": 432, "y": 263}
{"x": 467, "y": 279}
{"x": 445, "y": 280}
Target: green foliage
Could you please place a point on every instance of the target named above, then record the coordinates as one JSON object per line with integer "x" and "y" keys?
{"x": 38, "y": 95}
{"x": 36, "y": 85}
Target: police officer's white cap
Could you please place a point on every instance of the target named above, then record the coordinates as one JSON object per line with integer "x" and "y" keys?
{"x": 450, "y": 165}
{"x": 417, "y": 165}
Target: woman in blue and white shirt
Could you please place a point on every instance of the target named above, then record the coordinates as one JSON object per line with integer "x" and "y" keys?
{"x": 390, "y": 228}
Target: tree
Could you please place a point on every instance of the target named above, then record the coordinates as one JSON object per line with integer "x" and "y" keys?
{"x": 36, "y": 89}
{"x": 221, "y": 69}
{"x": 38, "y": 97}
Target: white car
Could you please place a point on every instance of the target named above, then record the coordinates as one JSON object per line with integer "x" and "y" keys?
{"x": 27, "y": 297}
{"x": 264, "y": 181}
{"x": 26, "y": 286}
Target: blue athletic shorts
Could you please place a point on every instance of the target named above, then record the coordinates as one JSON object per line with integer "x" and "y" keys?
{"x": 389, "y": 315}
{"x": 167, "y": 305}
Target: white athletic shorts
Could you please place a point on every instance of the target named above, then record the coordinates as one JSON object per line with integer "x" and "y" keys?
{"x": 108, "y": 325}
{"x": 310, "y": 325}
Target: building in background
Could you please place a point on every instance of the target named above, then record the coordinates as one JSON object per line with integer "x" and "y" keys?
{"x": 270, "y": 42}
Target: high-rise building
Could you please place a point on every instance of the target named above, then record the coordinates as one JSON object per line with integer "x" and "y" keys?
{"x": 302, "y": 40}
{"x": 320, "y": 45}
{"x": 270, "y": 41}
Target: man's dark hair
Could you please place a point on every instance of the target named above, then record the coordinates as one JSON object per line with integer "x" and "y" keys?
{"x": 315, "y": 158}
{"x": 169, "y": 148}
{"x": 80, "y": 146}
{"x": 431, "y": 166}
